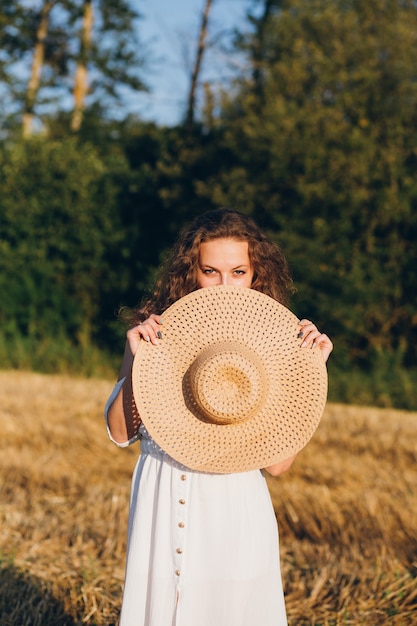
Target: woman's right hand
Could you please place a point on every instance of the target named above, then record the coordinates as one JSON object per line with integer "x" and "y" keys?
{"x": 149, "y": 330}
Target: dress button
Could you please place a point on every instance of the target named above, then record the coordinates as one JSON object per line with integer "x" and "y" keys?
{"x": 179, "y": 550}
{"x": 182, "y": 501}
{"x": 181, "y": 524}
{"x": 183, "y": 477}
{"x": 177, "y": 572}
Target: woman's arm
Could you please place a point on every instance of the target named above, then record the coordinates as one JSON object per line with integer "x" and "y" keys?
{"x": 116, "y": 418}
{"x": 121, "y": 412}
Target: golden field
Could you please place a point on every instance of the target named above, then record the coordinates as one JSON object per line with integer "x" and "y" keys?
{"x": 347, "y": 512}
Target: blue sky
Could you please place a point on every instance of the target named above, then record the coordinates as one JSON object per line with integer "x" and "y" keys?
{"x": 170, "y": 29}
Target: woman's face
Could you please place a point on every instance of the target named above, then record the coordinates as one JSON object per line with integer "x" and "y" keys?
{"x": 224, "y": 262}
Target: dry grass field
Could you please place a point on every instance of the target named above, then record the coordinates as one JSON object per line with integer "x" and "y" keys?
{"x": 347, "y": 512}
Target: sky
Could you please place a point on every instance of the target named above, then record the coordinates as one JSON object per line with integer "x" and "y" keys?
{"x": 170, "y": 29}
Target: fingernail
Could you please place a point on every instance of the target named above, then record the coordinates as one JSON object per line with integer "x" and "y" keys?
{"x": 300, "y": 334}
{"x": 159, "y": 334}
{"x": 147, "y": 338}
{"x": 303, "y": 345}
{"x": 161, "y": 321}
{"x": 313, "y": 345}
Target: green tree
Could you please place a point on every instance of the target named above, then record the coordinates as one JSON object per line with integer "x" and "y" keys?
{"x": 160, "y": 196}
{"x": 87, "y": 49}
{"x": 322, "y": 145}
{"x": 108, "y": 52}
{"x": 58, "y": 229}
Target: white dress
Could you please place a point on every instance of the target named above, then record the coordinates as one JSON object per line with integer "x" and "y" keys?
{"x": 202, "y": 548}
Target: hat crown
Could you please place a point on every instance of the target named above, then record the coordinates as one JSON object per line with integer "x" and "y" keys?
{"x": 228, "y": 382}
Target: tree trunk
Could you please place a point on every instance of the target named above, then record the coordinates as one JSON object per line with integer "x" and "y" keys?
{"x": 81, "y": 74}
{"x": 35, "y": 76}
{"x": 197, "y": 66}
{"x": 258, "y": 51}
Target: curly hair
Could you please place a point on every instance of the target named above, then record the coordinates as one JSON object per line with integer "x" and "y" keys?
{"x": 178, "y": 275}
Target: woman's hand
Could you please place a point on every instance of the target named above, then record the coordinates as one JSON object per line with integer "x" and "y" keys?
{"x": 149, "y": 330}
{"x": 311, "y": 337}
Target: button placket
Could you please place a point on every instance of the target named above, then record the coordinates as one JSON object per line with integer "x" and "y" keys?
{"x": 181, "y": 509}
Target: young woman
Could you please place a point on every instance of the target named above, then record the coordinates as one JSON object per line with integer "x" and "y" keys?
{"x": 203, "y": 548}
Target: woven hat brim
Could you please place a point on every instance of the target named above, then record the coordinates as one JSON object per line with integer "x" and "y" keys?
{"x": 297, "y": 382}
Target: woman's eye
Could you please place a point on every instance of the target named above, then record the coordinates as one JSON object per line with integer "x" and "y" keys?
{"x": 208, "y": 271}
{"x": 240, "y": 272}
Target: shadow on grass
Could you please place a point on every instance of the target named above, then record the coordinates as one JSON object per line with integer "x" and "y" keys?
{"x": 26, "y": 601}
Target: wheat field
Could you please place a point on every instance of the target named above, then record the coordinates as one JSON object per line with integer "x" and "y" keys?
{"x": 347, "y": 512}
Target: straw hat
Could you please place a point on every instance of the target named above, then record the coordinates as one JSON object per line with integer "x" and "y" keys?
{"x": 229, "y": 389}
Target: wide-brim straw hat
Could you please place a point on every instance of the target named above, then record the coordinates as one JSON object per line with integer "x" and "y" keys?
{"x": 229, "y": 388}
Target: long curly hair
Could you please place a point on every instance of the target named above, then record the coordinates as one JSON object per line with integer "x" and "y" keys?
{"x": 178, "y": 275}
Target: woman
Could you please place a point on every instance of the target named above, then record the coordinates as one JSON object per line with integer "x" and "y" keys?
{"x": 203, "y": 547}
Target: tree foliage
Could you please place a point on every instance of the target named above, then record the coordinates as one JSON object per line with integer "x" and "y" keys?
{"x": 323, "y": 138}
{"x": 112, "y": 61}
{"x": 316, "y": 139}
{"x": 58, "y": 227}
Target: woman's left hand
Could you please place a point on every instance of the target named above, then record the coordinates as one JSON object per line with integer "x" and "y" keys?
{"x": 311, "y": 337}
